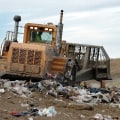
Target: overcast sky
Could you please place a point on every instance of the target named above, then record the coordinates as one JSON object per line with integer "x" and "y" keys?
{"x": 95, "y": 22}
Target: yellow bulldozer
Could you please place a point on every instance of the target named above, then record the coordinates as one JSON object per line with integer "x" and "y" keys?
{"x": 43, "y": 51}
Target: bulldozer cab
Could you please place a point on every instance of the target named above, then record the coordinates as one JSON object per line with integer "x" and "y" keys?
{"x": 39, "y": 33}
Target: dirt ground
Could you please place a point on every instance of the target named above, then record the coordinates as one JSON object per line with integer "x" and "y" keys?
{"x": 10, "y": 103}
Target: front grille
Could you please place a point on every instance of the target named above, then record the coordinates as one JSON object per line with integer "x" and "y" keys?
{"x": 25, "y": 56}
{"x": 37, "y": 58}
{"x": 15, "y": 55}
{"x": 22, "y": 56}
{"x": 30, "y": 57}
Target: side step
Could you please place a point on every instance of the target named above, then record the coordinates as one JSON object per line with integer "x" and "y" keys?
{"x": 58, "y": 65}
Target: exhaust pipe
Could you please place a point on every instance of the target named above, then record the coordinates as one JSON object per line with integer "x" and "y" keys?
{"x": 59, "y": 32}
{"x": 17, "y": 19}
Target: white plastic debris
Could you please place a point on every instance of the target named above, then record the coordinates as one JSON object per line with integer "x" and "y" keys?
{"x": 98, "y": 116}
{"x": 82, "y": 91}
{"x": 2, "y": 90}
{"x": 81, "y": 98}
{"x": 102, "y": 117}
{"x": 82, "y": 116}
{"x": 22, "y": 91}
{"x": 49, "y": 112}
{"x": 115, "y": 105}
{"x": 30, "y": 118}
{"x": 40, "y": 86}
{"x": 7, "y": 85}
{"x": 24, "y": 105}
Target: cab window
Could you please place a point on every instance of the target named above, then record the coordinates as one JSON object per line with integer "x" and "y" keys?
{"x": 41, "y": 36}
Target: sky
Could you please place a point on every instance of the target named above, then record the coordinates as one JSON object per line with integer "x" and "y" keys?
{"x": 93, "y": 22}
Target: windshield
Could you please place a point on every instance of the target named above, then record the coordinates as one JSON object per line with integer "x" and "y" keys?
{"x": 41, "y": 36}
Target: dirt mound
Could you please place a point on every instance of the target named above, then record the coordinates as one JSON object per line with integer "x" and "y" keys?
{"x": 115, "y": 68}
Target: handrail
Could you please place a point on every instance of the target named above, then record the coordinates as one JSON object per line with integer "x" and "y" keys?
{"x": 9, "y": 36}
{"x": 1, "y": 47}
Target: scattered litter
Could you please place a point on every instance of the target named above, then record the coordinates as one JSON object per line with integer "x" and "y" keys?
{"x": 104, "y": 117}
{"x": 49, "y": 112}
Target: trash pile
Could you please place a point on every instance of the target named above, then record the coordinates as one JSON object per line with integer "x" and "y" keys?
{"x": 78, "y": 94}
{"x": 81, "y": 94}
